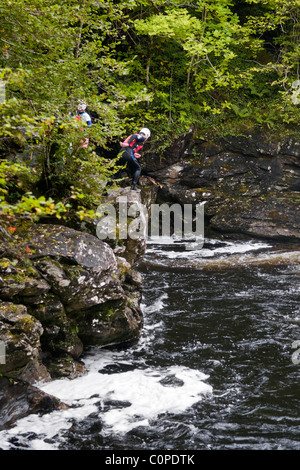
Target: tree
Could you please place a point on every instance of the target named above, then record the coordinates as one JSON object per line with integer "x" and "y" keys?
{"x": 53, "y": 54}
{"x": 235, "y": 63}
{"x": 169, "y": 65}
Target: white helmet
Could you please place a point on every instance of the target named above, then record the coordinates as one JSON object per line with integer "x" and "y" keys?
{"x": 146, "y": 132}
{"x": 81, "y": 105}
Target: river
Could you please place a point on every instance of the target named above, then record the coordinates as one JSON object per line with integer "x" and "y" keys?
{"x": 216, "y": 366}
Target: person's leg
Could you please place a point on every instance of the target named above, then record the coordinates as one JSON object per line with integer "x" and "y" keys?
{"x": 123, "y": 160}
{"x": 136, "y": 173}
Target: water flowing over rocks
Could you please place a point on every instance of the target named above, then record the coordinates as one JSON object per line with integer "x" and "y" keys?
{"x": 62, "y": 290}
{"x": 251, "y": 182}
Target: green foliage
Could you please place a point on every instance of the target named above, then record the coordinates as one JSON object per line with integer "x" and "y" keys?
{"x": 14, "y": 177}
{"x": 167, "y": 65}
{"x": 53, "y": 54}
{"x": 230, "y": 65}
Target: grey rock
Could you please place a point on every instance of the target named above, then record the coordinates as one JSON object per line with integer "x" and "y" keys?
{"x": 250, "y": 184}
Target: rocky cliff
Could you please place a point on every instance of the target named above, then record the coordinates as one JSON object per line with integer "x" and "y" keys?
{"x": 251, "y": 182}
{"x": 62, "y": 290}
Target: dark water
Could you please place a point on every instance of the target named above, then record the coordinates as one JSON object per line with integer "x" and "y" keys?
{"x": 236, "y": 325}
{"x": 214, "y": 368}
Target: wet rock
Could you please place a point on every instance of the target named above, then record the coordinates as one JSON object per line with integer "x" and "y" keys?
{"x": 129, "y": 213}
{"x": 64, "y": 366}
{"x": 110, "y": 324}
{"x": 61, "y": 290}
{"x": 175, "y": 152}
{"x": 250, "y": 184}
{"x": 18, "y": 400}
{"x": 133, "y": 280}
{"x": 171, "y": 381}
{"x": 114, "y": 405}
{"x": 117, "y": 368}
{"x": 84, "y": 435}
{"x": 67, "y": 290}
{"x": 71, "y": 245}
{"x": 262, "y": 218}
{"x": 21, "y": 334}
{"x": 30, "y": 290}
{"x": 80, "y": 287}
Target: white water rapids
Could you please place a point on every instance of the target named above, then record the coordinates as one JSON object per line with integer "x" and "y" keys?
{"x": 123, "y": 388}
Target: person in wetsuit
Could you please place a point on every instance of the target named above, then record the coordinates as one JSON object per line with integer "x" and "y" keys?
{"x": 129, "y": 154}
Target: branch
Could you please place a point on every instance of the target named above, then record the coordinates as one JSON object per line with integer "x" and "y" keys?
{"x": 15, "y": 45}
{"x": 78, "y": 41}
{"x": 23, "y": 27}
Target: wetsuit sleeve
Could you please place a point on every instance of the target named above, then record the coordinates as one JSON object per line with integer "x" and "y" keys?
{"x": 131, "y": 139}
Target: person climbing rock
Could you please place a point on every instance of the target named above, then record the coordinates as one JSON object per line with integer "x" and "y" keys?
{"x": 129, "y": 155}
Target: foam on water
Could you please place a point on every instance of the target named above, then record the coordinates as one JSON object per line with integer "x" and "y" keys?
{"x": 215, "y": 248}
{"x": 221, "y": 254}
{"x": 148, "y": 392}
{"x": 156, "y": 306}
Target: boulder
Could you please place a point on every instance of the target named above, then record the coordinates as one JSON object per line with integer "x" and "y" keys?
{"x": 61, "y": 290}
{"x": 18, "y": 400}
{"x": 122, "y": 221}
{"x": 21, "y": 334}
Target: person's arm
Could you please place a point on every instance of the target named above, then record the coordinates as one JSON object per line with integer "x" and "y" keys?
{"x": 136, "y": 151}
{"x": 128, "y": 140}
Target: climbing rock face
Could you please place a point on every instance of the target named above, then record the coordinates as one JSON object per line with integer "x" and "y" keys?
{"x": 128, "y": 213}
{"x": 21, "y": 333}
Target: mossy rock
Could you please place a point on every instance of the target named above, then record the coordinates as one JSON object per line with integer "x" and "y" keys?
{"x": 21, "y": 333}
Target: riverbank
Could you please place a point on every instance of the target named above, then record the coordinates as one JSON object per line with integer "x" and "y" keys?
{"x": 63, "y": 290}
{"x": 213, "y": 368}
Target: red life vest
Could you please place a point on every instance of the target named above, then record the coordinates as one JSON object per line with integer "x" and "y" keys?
{"x": 135, "y": 142}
